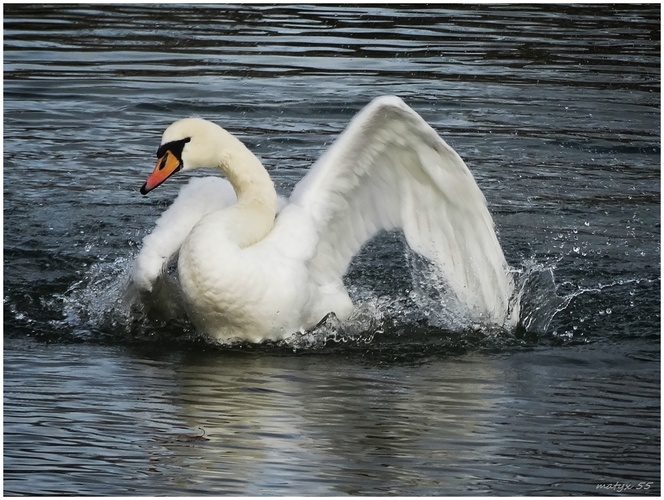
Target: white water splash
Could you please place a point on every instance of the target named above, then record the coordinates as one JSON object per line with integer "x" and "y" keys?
{"x": 105, "y": 300}
{"x": 99, "y": 300}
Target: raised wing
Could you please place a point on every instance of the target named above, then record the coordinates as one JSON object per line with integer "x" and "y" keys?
{"x": 389, "y": 169}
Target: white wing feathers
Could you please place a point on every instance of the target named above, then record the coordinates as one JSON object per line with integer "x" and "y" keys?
{"x": 199, "y": 197}
{"x": 390, "y": 169}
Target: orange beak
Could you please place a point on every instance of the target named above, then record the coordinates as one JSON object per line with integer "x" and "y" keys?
{"x": 166, "y": 166}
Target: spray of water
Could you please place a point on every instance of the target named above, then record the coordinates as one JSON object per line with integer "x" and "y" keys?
{"x": 105, "y": 303}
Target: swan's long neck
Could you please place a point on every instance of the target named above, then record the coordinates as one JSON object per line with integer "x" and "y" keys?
{"x": 252, "y": 218}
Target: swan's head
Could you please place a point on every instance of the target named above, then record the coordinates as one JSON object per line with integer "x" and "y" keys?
{"x": 186, "y": 144}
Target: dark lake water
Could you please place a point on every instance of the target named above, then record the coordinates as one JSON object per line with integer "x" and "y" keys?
{"x": 556, "y": 110}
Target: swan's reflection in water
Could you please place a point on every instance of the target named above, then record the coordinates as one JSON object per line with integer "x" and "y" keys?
{"x": 260, "y": 422}
{"x": 538, "y": 421}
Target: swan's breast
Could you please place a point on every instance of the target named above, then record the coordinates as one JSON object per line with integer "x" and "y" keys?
{"x": 254, "y": 293}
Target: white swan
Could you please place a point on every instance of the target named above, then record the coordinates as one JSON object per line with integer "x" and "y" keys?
{"x": 250, "y": 272}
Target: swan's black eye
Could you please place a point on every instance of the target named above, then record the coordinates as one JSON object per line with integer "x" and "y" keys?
{"x": 174, "y": 147}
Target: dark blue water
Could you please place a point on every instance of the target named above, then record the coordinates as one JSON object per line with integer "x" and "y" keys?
{"x": 556, "y": 110}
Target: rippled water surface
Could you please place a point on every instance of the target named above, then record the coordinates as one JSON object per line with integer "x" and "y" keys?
{"x": 554, "y": 108}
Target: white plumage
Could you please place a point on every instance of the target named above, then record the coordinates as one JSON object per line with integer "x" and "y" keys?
{"x": 250, "y": 273}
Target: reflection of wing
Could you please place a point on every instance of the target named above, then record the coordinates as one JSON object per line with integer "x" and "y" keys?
{"x": 201, "y": 196}
{"x": 389, "y": 169}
